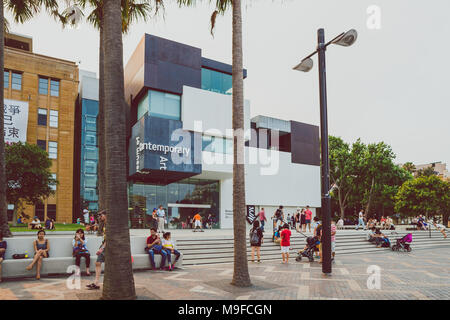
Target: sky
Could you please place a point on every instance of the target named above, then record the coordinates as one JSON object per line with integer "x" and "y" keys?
{"x": 391, "y": 85}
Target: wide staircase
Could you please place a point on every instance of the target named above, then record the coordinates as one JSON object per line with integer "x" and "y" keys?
{"x": 220, "y": 249}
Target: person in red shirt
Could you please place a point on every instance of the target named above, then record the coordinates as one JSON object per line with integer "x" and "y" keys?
{"x": 285, "y": 243}
{"x": 308, "y": 215}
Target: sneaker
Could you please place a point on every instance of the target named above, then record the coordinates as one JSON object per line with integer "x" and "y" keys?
{"x": 94, "y": 287}
{"x": 90, "y": 285}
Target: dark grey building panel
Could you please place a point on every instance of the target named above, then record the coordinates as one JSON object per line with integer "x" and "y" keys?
{"x": 169, "y": 65}
{"x": 305, "y": 144}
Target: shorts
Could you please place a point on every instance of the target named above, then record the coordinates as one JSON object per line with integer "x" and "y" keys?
{"x": 285, "y": 249}
{"x": 101, "y": 257}
{"x": 198, "y": 223}
{"x": 307, "y": 221}
{"x": 333, "y": 246}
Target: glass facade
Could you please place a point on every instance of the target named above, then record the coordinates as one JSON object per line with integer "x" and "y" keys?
{"x": 89, "y": 154}
{"x": 180, "y": 200}
{"x": 216, "y": 81}
{"x": 160, "y": 104}
{"x": 217, "y": 144}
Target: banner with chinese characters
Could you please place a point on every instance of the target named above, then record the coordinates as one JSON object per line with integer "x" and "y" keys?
{"x": 16, "y": 120}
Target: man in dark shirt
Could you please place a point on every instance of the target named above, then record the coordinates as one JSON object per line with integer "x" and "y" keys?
{"x": 154, "y": 246}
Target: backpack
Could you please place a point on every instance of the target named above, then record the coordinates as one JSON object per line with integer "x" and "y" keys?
{"x": 278, "y": 213}
{"x": 254, "y": 239}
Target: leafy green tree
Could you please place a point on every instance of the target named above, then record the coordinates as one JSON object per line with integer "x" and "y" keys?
{"x": 409, "y": 166}
{"x": 426, "y": 172}
{"x": 29, "y": 179}
{"x": 427, "y": 195}
{"x": 21, "y": 10}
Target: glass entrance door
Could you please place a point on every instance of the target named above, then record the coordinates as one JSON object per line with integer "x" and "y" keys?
{"x": 180, "y": 215}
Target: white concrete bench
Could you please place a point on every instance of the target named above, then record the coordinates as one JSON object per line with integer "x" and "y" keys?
{"x": 61, "y": 256}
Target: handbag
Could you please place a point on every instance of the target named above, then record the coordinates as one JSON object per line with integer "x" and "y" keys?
{"x": 19, "y": 256}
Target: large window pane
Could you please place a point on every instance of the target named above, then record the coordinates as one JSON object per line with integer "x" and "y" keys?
{"x": 165, "y": 105}
{"x": 90, "y": 181}
{"x": 216, "y": 81}
{"x": 42, "y": 117}
{"x": 91, "y": 153}
{"x": 5, "y": 79}
{"x": 54, "y": 118}
{"x": 91, "y": 124}
{"x": 43, "y": 85}
{"x": 90, "y": 166}
{"x": 16, "y": 81}
{"x": 54, "y": 88}
{"x": 91, "y": 139}
{"x": 143, "y": 107}
{"x": 52, "y": 149}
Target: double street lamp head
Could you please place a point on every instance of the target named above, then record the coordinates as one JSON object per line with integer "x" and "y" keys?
{"x": 305, "y": 65}
{"x": 346, "y": 40}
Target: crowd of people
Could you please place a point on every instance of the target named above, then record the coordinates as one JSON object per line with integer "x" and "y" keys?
{"x": 282, "y": 226}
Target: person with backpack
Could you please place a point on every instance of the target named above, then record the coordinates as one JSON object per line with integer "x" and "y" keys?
{"x": 256, "y": 240}
{"x": 278, "y": 217}
{"x": 285, "y": 243}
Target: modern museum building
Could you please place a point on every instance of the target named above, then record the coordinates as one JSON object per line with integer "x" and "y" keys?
{"x": 180, "y": 142}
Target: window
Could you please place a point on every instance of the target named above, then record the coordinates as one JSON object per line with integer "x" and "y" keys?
{"x": 16, "y": 81}
{"x": 90, "y": 139}
{"x": 91, "y": 123}
{"x": 90, "y": 166}
{"x": 5, "y": 79}
{"x": 43, "y": 85}
{"x": 42, "y": 144}
{"x": 90, "y": 153}
{"x": 42, "y": 117}
{"x": 39, "y": 211}
{"x": 52, "y": 149}
{"x": 217, "y": 144}
{"x": 54, "y": 118}
{"x": 160, "y": 104}
{"x": 216, "y": 81}
{"x": 51, "y": 211}
{"x": 90, "y": 181}
{"x": 54, "y": 88}
{"x": 53, "y": 186}
{"x": 90, "y": 194}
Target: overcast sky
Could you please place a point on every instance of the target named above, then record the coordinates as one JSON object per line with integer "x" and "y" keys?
{"x": 391, "y": 85}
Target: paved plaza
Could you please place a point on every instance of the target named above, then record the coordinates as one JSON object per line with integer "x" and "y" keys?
{"x": 422, "y": 274}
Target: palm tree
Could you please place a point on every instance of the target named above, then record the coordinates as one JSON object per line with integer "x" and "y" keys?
{"x": 22, "y": 10}
{"x": 118, "y": 280}
{"x": 241, "y": 277}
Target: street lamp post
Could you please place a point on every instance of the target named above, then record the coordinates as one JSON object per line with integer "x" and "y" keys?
{"x": 344, "y": 39}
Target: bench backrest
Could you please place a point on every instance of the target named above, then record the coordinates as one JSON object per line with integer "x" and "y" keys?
{"x": 62, "y": 246}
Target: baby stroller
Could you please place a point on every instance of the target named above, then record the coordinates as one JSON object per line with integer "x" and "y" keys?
{"x": 403, "y": 243}
{"x": 308, "y": 252}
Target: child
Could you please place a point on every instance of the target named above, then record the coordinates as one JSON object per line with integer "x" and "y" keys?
{"x": 285, "y": 243}
{"x": 169, "y": 248}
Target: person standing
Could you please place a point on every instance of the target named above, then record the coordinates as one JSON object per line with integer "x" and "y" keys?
{"x": 303, "y": 220}
{"x": 361, "y": 220}
{"x": 256, "y": 239}
{"x": 210, "y": 221}
{"x": 198, "y": 222}
{"x": 278, "y": 217}
{"x": 333, "y": 239}
{"x": 86, "y": 216}
{"x": 262, "y": 219}
{"x": 308, "y": 215}
{"x": 100, "y": 253}
{"x": 161, "y": 219}
{"x": 154, "y": 219}
{"x": 285, "y": 243}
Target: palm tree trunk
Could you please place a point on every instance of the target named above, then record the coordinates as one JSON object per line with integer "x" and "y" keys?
{"x": 241, "y": 277}
{"x": 101, "y": 129}
{"x": 118, "y": 280}
{"x": 4, "y": 229}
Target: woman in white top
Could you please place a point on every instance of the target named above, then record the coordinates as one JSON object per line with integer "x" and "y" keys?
{"x": 441, "y": 228}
